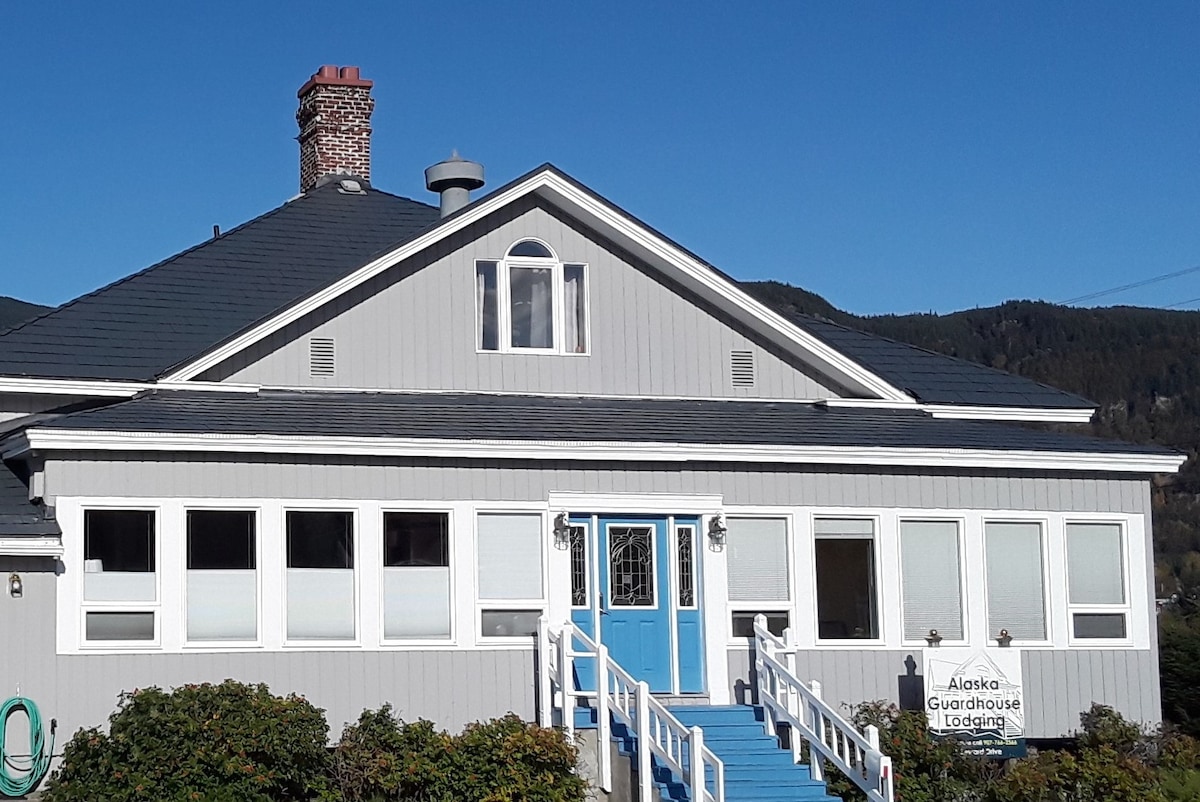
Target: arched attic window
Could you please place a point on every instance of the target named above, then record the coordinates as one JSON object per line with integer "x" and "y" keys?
{"x": 531, "y": 301}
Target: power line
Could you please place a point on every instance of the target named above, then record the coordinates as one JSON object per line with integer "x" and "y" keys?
{"x": 1182, "y": 303}
{"x": 1134, "y": 285}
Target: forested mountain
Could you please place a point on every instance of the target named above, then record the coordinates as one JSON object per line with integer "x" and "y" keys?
{"x": 1142, "y": 366}
{"x": 13, "y": 311}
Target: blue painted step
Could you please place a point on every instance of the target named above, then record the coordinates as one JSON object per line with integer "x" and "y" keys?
{"x": 756, "y": 769}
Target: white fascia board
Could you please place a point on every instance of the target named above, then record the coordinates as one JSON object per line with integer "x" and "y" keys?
{"x": 111, "y": 389}
{"x": 607, "y": 219}
{"x": 968, "y": 412}
{"x": 1028, "y": 414}
{"x": 31, "y": 546}
{"x": 49, "y": 439}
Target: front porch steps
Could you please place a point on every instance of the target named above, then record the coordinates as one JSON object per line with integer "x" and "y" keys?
{"x": 756, "y": 768}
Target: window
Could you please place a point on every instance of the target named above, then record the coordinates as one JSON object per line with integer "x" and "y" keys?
{"x": 531, "y": 301}
{"x": 1016, "y": 590}
{"x": 743, "y": 624}
{"x": 222, "y": 580}
{"x": 757, "y": 555}
{"x": 320, "y": 575}
{"x": 1096, "y": 581}
{"x": 416, "y": 575}
{"x": 509, "y": 573}
{"x": 119, "y": 570}
{"x": 844, "y": 557}
{"x": 685, "y": 544}
{"x": 931, "y": 579}
{"x": 577, "y": 541}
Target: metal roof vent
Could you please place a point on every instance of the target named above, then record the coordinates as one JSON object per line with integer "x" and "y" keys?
{"x": 741, "y": 368}
{"x": 321, "y": 357}
{"x": 349, "y": 186}
{"x": 454, "y": 179}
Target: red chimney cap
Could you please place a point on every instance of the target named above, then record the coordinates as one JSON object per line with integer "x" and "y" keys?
{"x": 332, "y": 75}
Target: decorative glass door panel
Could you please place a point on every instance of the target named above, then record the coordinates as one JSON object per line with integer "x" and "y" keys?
{"x": 631, "y": 566}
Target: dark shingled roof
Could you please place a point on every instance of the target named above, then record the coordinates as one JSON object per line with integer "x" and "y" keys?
{"x": 143, "y": 325}
{"x": 935, "y": 378}
{"x": 538, "y": 418}
{"x": 17, "y": 515}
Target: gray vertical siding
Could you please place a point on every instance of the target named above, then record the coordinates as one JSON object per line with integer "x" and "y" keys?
{"x": 18, "y": 405}
{"x": 414, "y": 328}
{"x": 284, "y": 476}
{"x": 451, "y": 688}
{"x": 1059, "y": 684}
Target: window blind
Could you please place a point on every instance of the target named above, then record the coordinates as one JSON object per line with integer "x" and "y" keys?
{"x": 757, "y": 554}
{"x": 509, "y": 551}
{"x": 932, "y": 588}
{"x": 1016, "y": 593}
{"x": 1094, "y": 564}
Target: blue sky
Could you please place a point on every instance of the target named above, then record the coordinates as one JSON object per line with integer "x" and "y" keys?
{"x": 893, "y": 157}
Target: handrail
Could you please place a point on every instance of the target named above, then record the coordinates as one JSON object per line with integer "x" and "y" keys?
{"x": 829, "y": 736}
{"x": 628, "y": 701}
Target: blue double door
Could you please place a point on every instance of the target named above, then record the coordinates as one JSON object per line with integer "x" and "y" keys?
{"x": 636, "y": 579}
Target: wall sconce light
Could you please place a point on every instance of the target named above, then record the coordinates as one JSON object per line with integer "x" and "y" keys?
{"x": 16, "y": 588}
{"x": 717, "y": 531}
{"x": 1004, "y": 639}
{"x": 562, "y": 530}
{"x": 933, "y": 638}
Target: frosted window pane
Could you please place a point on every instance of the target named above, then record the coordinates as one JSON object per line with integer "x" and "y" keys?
{"x": 930, "y": 576}
{"x": 416, "y": 602}
{"x": 320, "y": 603}
{"x": 510, "y": 556}
{"x": 1094, "y": 564}
{"x": 118, "y": 586}
{"x": 758, "y": 559}
{"x": 574, "y": 304}
{"x": 222, "y": 605}
{"x": 119, "y": 626}
{"x": 1016, "y": 592}
{"x": 509, "y": 623}
{"x": 488, "y": 327}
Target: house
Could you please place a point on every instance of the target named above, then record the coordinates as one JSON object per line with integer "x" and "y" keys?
{"x": 356, "y": 447}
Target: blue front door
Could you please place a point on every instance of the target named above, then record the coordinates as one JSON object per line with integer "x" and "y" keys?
{"x": 634, "y": 585}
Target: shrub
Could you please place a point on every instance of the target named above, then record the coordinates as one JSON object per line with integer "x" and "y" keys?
{"x": 200, "y": 743}
{"x": 380, "y": 758}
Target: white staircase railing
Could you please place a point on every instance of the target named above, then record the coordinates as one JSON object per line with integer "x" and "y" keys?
{"x": 657, "y": 732}
{"x": 785, "y": 699}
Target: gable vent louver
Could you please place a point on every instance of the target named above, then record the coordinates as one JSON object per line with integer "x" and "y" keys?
{"x": 741, "y": 368}
{"x": 321, "y": 361}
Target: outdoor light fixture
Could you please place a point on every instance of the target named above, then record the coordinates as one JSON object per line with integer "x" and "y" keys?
{"x": 562, "y": 530}
{"x": 15, "y": 588}
{"x": 716, "y": 531}
{"x": 933, "y": 638}
{"x": 1004, "y": 639}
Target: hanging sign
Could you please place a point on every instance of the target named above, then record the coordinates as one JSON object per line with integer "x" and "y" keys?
{"x": 976, "y": 697}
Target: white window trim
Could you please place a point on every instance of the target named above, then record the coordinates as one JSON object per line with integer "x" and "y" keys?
{"x": 540, "y": 603}
{"x": 1044, "y": 539}
{"x": 1125, "y": 608}
{"x": 883, "y": 611}
{"x": 87, "y": 606}
{"x": 960, "y": 524}
{"x": 451, "y": 554}
{"x": 260, "y": 520}
{"x": 504, "y": 266}
{"x": 787, "y": 514}
{"x": 355, "y": 530}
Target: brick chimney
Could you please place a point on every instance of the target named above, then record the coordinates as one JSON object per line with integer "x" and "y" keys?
{"x": 335, "y": 125}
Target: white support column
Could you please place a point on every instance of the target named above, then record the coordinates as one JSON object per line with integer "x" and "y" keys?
{"x": 696, "y": 764}
{"x": 817, "y": 723}
{"x": 645, "y": 773}
{"x": 545, "y": 703}
{"x": 603, "y": 722}
{"x": 714, "y": 612}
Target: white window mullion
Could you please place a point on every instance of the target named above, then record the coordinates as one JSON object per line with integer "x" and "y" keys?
{"x": 272, "y": 576}
{"x": 368, "y": 566}
{"x": 172, "y": 547}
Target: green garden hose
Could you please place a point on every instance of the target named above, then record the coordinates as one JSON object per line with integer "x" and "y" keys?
{"x": 31, "y": 770}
